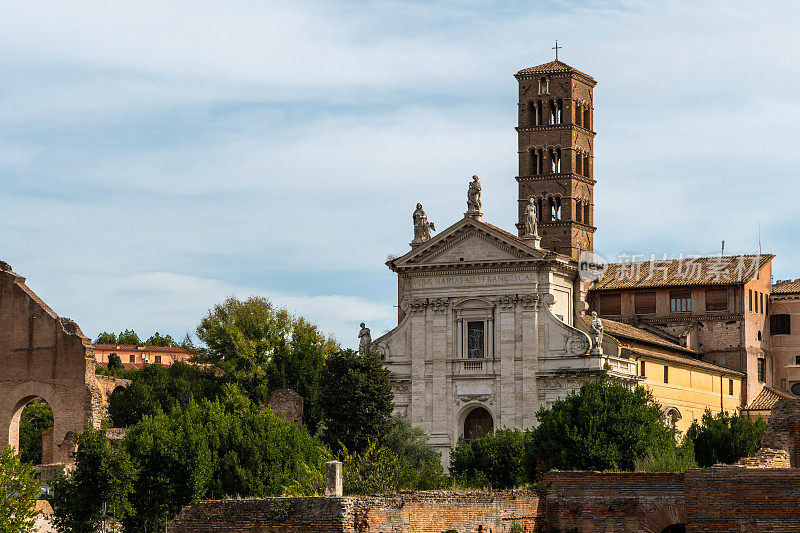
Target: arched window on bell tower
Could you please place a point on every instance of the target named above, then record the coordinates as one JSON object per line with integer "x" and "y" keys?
{"x": 586, "y": 214}
{"x": 578, "y": 115}
{"x": 544, "y": 86}
{"x": 578, "y": 163}
{"x": 539, "y": 210}
{"x": 586, "y": 170}
{"x": 578, "y": 210}
{"x": 560, "y": 112}
{"x": 586, "y": 119}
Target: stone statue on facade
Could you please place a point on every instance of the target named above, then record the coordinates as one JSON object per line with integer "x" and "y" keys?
{"x": 364, "y": 340}
{"x": 422, "y": 228}
{"x": 531, "y": 219}
{"x": 596, "y": 332}
{"x": 474, "y": 197}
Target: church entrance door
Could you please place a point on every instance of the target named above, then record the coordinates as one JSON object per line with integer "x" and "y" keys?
{"x": 478, "y": 422}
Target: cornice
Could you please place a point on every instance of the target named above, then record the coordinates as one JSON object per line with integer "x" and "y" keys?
{"x": 559, "y": 176}
{"x": 451, "y": 269}
{"x": 552, "y": 127}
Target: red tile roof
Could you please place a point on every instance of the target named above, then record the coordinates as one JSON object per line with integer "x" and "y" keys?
{"x": 142, "y": 348}
{"x": 692, "y": 271}
{"x": 552, "y": 66}
{"x": 767, "y": 398}
{"x": 626, "y": 331}
{"x": 791, "y": 286}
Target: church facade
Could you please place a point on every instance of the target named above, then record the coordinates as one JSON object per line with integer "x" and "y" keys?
{"x": 492, "y": 326}
{"x": 489, "y": 331}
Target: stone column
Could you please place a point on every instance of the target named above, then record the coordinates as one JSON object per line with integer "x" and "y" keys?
{"x": 507, "y": 344}
{"x": 440, "y": 425}
{"x": 333, "y": 479}
{"x": 417, "y": 308}
{"x": 530, "y": 361}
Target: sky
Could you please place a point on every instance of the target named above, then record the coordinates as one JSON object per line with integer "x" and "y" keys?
{"x": 159, "y": 156}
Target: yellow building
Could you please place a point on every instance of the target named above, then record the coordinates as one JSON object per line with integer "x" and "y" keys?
{"x": 684, "y": 385}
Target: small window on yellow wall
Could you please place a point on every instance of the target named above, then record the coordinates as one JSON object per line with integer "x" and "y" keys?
{"x": 730, "y": 387}
{"x": 666, "y": 374}
{"x": 642, "y": 369}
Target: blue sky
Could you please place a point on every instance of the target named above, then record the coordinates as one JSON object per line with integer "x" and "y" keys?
{"x": 158, "y": 156}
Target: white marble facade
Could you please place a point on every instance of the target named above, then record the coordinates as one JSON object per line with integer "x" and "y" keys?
{"x": 486, "y": 320}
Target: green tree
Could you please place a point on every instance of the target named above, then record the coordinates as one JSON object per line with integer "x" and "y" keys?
{"x": 19, "y": 490}
{"x": 358, "y": 400}
{"x": 604, "y": 426}
{"x": 36, "y": 416}
{"x": 204, "y": 451}
{"x": 157, "y": 387}
{"x": 106, "y": 338}
{"x": 410, "y": 444}
{"x": 375, "y": 470}
{"x": 174, "y": 466}
{"x": 115, "y": 363}
{"x": 156, "y": 339}
{"x": 724, "y": 438}
{"x": 669, "y": 459}
{"x": 128, "y": 337}
{"x": 496, "y": 459}
{"x": 260, "y": 347}
{"x": 97, "y": 490}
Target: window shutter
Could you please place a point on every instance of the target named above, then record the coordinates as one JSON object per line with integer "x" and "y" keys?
{"x": 645, "y": 302}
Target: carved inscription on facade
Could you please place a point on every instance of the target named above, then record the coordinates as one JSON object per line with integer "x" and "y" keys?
{"x": 476, "y": 280}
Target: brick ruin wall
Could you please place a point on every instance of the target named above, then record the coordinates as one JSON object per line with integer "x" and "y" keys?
{"x": 624, "y": 501}
{"x": 418, "y": 512}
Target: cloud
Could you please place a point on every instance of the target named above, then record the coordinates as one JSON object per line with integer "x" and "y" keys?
{"x": 156, "y": 157}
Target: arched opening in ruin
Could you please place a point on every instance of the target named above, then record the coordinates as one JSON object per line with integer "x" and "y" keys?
{"x": 31, "y": 430}
{"x": 478, "y": 422}
{"x": 674, "y": 528}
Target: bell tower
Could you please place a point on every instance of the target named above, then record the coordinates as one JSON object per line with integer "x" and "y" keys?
{"x": 556, "y": 146}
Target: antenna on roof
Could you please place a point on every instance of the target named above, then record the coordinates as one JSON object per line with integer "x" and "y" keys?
{"x": 556, "y": 47}
{"x": 723, "y": 248}
{"x": 759, "y": 235}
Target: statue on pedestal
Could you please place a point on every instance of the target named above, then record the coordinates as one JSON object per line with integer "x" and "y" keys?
{"x": 364, "y": 340}
{"x": 531, "y": 219}
{"x": 596, "y": 332}
{"x": 422, "y": 228}
{"x": 474, "y": 197}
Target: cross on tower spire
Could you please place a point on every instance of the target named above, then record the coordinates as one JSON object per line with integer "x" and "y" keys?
{"x": 556, "y": 47}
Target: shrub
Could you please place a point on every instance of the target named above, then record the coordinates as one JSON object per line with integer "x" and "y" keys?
{"x": 19, "y": 489}
{"x": 725, "y": 438}
{"x": 376, "y": 470}
{"x": 603, "y": 426}
{"x": 495, "y": 459}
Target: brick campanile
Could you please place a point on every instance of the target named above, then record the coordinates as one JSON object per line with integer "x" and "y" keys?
{"x": 556, "y": 146}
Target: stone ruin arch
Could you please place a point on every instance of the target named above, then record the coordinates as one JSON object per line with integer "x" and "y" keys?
{"x": 44, "y": 356}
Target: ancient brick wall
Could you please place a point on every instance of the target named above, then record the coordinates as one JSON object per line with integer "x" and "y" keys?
{"x": 420, "y": 512}
{"x": 270, "y": 515}
{"x": 46, "y": 356}
{"x": 438, "y": 511}
{"x": 742, "y": 499}
{"x": 599, "y": 501}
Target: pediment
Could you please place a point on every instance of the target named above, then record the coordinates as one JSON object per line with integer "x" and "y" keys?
{"x": 470, "y": 241}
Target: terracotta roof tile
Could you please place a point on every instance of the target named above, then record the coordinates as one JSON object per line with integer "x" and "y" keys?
{"x": 552, "y": 66}
{"x": 791, "y": 286}
{"x": 767, "y": 398}
{"x": 135, "y": 348}
{"x": 715, "y": 270}
{"x": 684, "y": 360}
{"x": 626, "y": 331}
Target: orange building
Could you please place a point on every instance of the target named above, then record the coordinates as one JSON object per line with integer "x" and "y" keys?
{"x": 137, "y": 356}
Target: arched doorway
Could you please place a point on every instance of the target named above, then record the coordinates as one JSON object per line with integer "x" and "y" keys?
{"x": 674, "y": 528}
{"x": 31, "y": 431}
{"x": 478, "y": 422}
